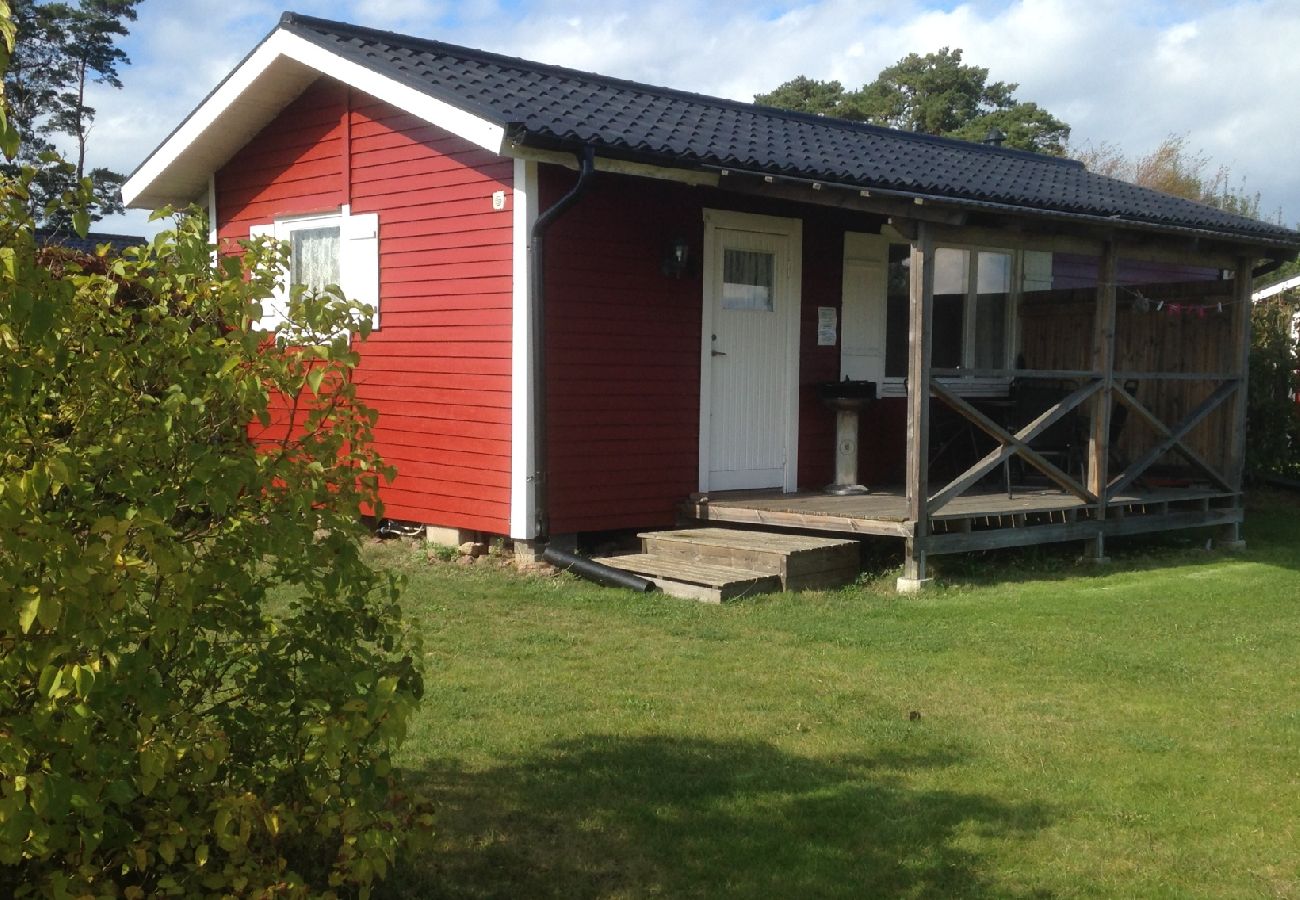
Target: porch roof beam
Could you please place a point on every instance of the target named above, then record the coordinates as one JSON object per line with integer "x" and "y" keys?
{"x": 1091, "y": 240}
{"x": 1083, "y": 233}
{"x": 982, "y": 222}
{"x": 801, "y": 190}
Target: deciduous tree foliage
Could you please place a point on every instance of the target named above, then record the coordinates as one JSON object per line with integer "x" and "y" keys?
{"x": 935, "y": 93}
{"x": 1273, "y": 416}
{"x": 1175, "y": 168}
{"x": 201, "y": 680}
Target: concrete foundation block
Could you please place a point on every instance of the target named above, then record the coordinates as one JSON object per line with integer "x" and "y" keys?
{"x": 528, "y": 553}
{"x": 443, "y": 536}
{"x": 906, "y": 585}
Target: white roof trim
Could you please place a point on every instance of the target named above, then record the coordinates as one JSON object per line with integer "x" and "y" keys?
{"x": 263, "y": 84}
{"x": 1274, "y": 289}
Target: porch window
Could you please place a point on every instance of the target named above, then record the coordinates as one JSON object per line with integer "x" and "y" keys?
{"x": 972, "y": 309}
{"x": 989, "y": 344}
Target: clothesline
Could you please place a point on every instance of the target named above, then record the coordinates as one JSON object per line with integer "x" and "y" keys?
{"x": 1143, "y": 303}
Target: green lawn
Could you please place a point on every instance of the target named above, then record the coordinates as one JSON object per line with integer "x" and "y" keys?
{"x": 1132, "y": 731}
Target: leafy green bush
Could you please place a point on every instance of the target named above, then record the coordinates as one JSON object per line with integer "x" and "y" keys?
{"x": 201, "y": 680}
{"x": 1273, "y": 445}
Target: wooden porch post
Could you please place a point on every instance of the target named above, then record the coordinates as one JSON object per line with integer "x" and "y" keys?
{"x": 1103, "y": 364}
{"x": 1236, "y": 469}
{"x": 920, "y": 319}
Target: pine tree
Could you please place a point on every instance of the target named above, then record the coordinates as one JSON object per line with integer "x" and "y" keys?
{"x": 61, "y": 49}
{"x": 933, "y": 94}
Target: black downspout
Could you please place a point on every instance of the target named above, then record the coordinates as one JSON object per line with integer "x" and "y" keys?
{"x": 537, "y": 306}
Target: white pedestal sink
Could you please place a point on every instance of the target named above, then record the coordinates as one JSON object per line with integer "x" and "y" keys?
{"x": 848, "y": 399}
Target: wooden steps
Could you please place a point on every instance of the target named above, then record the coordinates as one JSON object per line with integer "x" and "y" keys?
{"x": 695, "y": 580}
{"x": 718, "y": 564}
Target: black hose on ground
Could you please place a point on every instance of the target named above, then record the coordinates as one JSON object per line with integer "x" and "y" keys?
{"x": 597, "y": 572}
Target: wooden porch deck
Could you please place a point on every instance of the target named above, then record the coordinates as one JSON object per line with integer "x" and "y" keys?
{"x": 975, "y": 521}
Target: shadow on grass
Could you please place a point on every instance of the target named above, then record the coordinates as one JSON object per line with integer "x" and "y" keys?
{"x": 655, "y": 816}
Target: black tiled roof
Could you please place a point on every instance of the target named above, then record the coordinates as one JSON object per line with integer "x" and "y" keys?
{"x": 550, "y": 105}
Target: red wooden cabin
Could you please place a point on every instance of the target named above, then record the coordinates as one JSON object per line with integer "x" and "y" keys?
{"x": 599, "y": 299}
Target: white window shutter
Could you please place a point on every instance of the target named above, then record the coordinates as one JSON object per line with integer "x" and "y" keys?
{"x": 274, "y": 308}
{"x": 863, "y": 307}
{"x": 359, "y": 270}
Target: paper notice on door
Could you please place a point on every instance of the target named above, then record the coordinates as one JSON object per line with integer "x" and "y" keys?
{"x": 828, "y": 321}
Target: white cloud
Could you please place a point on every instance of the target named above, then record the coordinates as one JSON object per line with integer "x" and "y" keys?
{"x": 1220, "y": 71}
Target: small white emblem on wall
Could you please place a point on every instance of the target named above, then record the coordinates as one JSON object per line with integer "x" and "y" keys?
{"x": 498, "y": 199}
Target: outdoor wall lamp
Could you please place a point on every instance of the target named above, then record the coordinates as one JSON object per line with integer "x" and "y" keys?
{"x": 677, "y": 258}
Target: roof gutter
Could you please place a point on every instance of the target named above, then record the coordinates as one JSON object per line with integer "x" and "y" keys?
{"x": 537, "y": 331}
{"x": 1271, "y": 266}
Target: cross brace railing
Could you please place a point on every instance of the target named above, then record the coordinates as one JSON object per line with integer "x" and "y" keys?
{"x": 1172, "y": 438}
{"x": 1012, "y": 444}
{"x": 1017, "y": 443}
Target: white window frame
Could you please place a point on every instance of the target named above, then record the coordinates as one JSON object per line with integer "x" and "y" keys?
{"x": 358, "y": 260}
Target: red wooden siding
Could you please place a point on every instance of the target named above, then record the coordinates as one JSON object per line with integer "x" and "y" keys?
{"x": 622, "y": 352}
{"x": 438, "y": 371}
{"x": 623, "y": 348}
{"x": 823, "y": 275}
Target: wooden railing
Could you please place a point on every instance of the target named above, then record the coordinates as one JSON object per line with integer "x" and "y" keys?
{"x": 1018, "y": 442}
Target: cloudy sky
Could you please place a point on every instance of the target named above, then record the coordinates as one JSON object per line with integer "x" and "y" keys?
{"x": 1225, "y": 73}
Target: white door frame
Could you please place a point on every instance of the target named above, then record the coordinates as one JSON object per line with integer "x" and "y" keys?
{"x": 715, "y": 219}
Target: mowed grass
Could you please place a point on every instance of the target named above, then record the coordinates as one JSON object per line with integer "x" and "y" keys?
{"x": 1031, "y": 727}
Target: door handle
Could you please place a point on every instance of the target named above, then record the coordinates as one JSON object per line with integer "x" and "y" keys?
{"x": 719, "y": 353}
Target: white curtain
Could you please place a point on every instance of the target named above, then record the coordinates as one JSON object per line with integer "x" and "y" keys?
{"x": 316, "y": 257}
{"x": 747, "y": 279}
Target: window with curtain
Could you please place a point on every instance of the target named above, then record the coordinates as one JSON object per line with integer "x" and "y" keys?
{"x": 748, "y": 279}
{"x": 339, "y": 249}
{"x": 314, "y": 256}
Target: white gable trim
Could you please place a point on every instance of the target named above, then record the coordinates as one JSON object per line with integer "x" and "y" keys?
{"x": 254, "y": 93}
{"x": 476, "y": 130}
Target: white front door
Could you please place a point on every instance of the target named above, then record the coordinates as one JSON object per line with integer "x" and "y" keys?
{"x": 750, "y": 353}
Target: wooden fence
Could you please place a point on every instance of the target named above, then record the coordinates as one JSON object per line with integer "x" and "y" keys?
{"x": 1166, "y": 334}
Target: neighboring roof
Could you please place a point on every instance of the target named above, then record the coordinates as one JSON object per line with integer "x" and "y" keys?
{"x": 552, "y": 107}
{"x": 58, "y": 237}
{"x": 1280, "y": 287}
